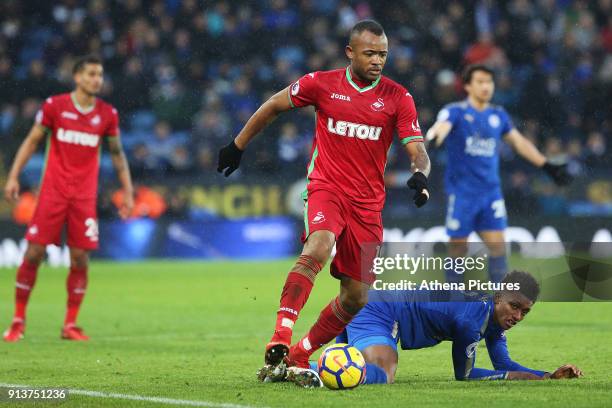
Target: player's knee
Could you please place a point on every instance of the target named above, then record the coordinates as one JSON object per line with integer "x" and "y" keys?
{"x": 79, "y": 259}
{"x": 389, "y": 368}
{"x": 457, "y": 248}
{"x": 497, "y": 249}
{"x": 35, "y": 253}
{"x": 319, "y": 246}
{"x": 383, "y": 358}
{"x": 390, "y": 375}
{"x": 353, "y": 301}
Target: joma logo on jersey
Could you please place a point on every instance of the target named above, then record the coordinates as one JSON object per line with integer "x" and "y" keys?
{"x": 78, "y": 138}
{"x": 350, "y": 129}
{"x": 341, "y": 97}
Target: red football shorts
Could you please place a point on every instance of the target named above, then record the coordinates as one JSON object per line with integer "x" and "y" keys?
{"x": 358, "y": 232}
{"x": 54, "y": 211}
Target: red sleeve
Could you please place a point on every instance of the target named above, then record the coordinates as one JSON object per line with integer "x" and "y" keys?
{"x": 304, "y": 91}
{"x": 113, "y": 124}
{"x": 408, "y": 128}
{"x": 46, "y": 115}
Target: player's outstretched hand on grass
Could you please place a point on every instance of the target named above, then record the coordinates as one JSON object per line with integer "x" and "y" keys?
{"x": 558, "y": 172}
{"x": 566, "y": 371}
{"x": 229, "y": 158}
{"x": 418, "y": 183}
{"x": 11, "y": 190}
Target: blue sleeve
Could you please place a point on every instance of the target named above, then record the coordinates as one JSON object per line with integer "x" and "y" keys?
{"x": 375, "y": 374}
{"x": 465, "y": 342}
{"x": 506, "y": 121}
{"x": 449, "y": 113}
{"x": 498, "y": 352}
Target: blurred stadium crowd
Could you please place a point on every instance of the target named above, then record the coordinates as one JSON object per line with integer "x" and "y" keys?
{"x": 186, "y": 74}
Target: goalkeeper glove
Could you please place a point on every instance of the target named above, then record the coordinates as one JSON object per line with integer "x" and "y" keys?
{"x": 229, "y": 158}
{"x": 418, "y": 182}
{"x": 558, "y": 172}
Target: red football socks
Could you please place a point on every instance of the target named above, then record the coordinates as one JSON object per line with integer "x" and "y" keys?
{"x": 295, "y": 293}
{"x": 76, "y": 284}
{"x": 331, "y": 322}
{"x": 26, "y": 278}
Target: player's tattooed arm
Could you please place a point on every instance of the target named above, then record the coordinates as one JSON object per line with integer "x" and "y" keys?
{"x": 419, "y": 158}
{"x": 420, "y": 171}
{"x": 123, "y": 174}
{"x": 26, "y": 150}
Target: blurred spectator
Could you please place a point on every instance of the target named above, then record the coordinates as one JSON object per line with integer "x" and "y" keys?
{"x": 147, "y": 202}
{"x": 519, "y": 196}
{"x": 20, "y": 128}
{"x": 595, "y": 152}
{"x": 37, "y": 83}
{"x": 171, "y": 102}
{"x": 24, "y": 209}
{"x": 211, "y": 127}
{"x": 200, "y": 69}
{"x": 142, "y": 163}
{"x": 131, "y": 87}
{"x": 290, "y": 145}
{"x": 162, "y": 146}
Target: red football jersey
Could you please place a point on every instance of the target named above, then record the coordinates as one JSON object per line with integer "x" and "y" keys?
{"x": 73, "y": 148}
{"x": 355, "y": 124}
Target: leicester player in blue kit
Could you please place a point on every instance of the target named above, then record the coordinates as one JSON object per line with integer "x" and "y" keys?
{"x": 394, "y": 316}
{"x": 473, "y": 130}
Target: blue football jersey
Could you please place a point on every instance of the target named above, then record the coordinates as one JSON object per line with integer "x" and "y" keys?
{"x": 395, "y": 316}
{"x": 473, "y": 146}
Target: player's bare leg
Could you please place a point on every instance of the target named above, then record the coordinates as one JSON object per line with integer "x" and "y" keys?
{"x": 498, "y": 264}
{"x": 331, "y": 322}
{"x": 76, "y": 284}
{"x": 296, "y": 291}
{"x": 457, "y": 247}
{"x": 26, "y": 278}
{"x": 384, "y": 357}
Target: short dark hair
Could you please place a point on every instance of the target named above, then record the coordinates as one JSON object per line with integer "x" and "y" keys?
{"x": 529, "y": 286}
{"x": 468, "y": 72}
{"x": 367, "y": 25}
{"x": 82, "y": 61}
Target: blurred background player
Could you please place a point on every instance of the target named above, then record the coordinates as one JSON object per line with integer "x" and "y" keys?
{"x": 393, "y": 316}
{"x": 473, "y": 130}
{"x": 358, "y": 111}
{"x": 74, "y": 125}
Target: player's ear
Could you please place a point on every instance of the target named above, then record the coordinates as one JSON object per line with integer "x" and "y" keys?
{"x": 349, "y": 52}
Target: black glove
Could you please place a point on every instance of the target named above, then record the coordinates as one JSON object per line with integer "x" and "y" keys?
{"x": 558, "y": 172}
{"x": 229, "y": 158}
{"x": 418, "y": 182}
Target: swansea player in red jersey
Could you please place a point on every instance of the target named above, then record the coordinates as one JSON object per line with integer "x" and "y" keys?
{"x": 73, "y": 125}
{"x": 357, "y": 113}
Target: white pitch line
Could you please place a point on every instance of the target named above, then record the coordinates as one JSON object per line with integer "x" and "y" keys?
{"x": 160, "y": 400}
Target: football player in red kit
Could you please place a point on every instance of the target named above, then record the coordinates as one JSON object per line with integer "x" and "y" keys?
{"x": 357, "y": 113}
{"x": 73, "y": 125}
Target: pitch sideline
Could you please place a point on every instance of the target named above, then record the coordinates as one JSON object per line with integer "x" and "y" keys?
{"x": 160, "y": 400}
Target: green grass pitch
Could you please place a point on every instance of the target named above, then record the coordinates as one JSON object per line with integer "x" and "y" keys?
{"x": 196, "y": 331}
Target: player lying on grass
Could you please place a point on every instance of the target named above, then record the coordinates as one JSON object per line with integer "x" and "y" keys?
{"x": 393, "y": 316}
